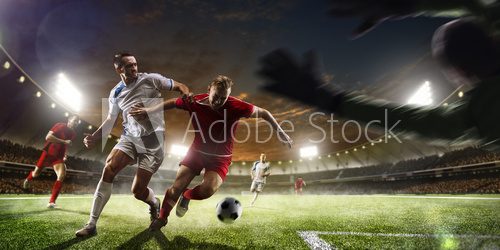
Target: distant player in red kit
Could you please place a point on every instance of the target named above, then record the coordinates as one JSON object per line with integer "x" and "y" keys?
{"x": 214, "y": 117}
{"x": 299, "y": 183}
{"x": 54, "y": 154}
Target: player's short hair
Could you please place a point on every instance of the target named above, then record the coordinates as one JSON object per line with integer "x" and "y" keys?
{"x": 117, "y": 59}
{"x": 221, "y": 82}
{"x": 465, "y": 45}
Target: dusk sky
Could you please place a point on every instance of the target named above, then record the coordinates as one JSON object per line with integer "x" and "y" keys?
{"x": 193, "y": 41}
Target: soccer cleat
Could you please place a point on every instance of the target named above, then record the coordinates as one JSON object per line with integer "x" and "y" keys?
{"x": 51, "y": 205}
{"x": 154, "y": 210}
{"x": 182, "y": 206}
{"x": 26, "y": 184}
{"x": 157, "y": 224}
{"x": 86, "y": 231}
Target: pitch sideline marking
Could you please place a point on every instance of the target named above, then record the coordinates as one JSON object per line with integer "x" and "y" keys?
{"x": 316, "y": 243}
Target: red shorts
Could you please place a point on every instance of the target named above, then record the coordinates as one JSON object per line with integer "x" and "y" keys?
{"x": 198, "y": 161}
{"x": 47, "y": 160}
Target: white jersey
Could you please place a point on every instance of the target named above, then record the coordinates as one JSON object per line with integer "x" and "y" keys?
{"x": 146, "y": 90}
{"x": 259, "y": 169}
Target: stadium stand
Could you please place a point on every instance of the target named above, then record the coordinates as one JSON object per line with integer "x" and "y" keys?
{"x": 469, "y": 170}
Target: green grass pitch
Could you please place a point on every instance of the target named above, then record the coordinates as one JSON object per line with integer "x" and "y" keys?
{"x": 275, "y": 222}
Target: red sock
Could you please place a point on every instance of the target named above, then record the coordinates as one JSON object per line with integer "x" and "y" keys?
{"x": 55, "y": 191}
{"x": 193, "y": 194}
{"x": 30, "y": 176}
{"x": 165, "y": 207}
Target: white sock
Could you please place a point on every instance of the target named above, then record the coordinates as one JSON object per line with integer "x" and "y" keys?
{"x": 151, "y": 200}
{"x": 101, "y": 197}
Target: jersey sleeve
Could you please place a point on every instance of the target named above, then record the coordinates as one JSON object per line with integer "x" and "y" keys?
{"x": 113, "y": 109}
{"x": 242, "y": 108}
{"x": 161, "y": 82}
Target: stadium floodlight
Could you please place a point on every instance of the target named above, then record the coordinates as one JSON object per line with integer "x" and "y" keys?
{"x": 38, "y": 94}
{"x": 53, "y": 105}
{"x": 67, "y": 93}
{"x": 6, "y": 65}
{"x": 178, "y": 150}
{"x": 243, "y": 163}
{"x": 423, "y": 96}
{"x": 308, "y": 151}
{"x": 21, "y": 79}
{"x": 461, "y": 94}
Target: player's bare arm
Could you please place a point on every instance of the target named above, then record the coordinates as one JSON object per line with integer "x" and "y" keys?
{"x": 54, "y": 139}
{"x": 138, "y": 110}
{"x": 183, "y": 89}
{"x": 266, "y": 115}
{"x": 90, "y": 139}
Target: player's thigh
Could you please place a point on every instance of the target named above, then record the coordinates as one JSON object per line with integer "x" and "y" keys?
{"x": 117, "y": 160}
{"x": 141, "y": 179}
{"x": 184, "y": 176}
{"x": 212, "y": 179}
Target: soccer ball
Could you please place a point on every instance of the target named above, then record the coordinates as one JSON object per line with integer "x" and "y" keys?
{"x": 228, "y": 210}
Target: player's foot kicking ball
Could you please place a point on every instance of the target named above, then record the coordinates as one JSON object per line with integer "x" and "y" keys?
{"x": 182, "y": 206}
{"x": 154, "y": 210}
{"x": 51, "y": 205}
{"x": 26, "y": 184}
{"x": 157, "y": 224}
{"x": 86, "y": 231}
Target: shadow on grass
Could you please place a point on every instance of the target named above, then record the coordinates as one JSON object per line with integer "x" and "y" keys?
{"x": 67, "y": 244}
{"x": 178, "y": 242}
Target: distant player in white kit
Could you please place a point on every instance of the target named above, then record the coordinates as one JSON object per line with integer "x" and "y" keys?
{"x": 260, "y": 171}
{"x": 142, "y": 138}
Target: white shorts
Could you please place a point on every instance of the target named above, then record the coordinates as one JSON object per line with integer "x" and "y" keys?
{"x": 257, "y": 186}
{"x": 146, "y": 150}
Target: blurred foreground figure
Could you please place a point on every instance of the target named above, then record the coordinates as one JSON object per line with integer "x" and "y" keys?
{"x": 54, "y": 155}
{"x": 374, "y": 12}
{"x": 467, "y": 54}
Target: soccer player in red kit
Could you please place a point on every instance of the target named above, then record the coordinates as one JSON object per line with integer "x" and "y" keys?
{"x": 299, "y": 183}
{"x": 54, "y": 154}
{"x": 214, "y": 116}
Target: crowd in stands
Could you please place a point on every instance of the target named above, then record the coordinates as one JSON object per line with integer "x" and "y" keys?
{"x": 41, "y": 186}
{"x": 464, "y": 186}
{"x": 469, "y": 183}
{"x": 13, "y": 152}
{"x": 460, "y": 157}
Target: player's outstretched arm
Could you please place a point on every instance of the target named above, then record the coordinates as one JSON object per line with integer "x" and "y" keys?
{"x": 90, "y": 139}
{"x": 139, "y": 110}
{"x": 375, "y": 12}
{"x": 266, "y": 115}
{"x": 54, "y": 139}
{"x": 183, "y": 89}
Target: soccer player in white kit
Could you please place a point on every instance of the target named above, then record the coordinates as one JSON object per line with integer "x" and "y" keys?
{"x": 141, "y": 141}
{"x": 259, "y": 173}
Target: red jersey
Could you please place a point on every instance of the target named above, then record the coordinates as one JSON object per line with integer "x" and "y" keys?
{"x": 215, "y": 129}
{"x": 299, "y": 183}
{"x": 61, "y": 131}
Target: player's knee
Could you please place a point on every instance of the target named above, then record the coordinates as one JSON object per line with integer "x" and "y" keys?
{"x": 208, "y": 191}
{"x": 108, "y": 174}
{"x": 61, "y": 177}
